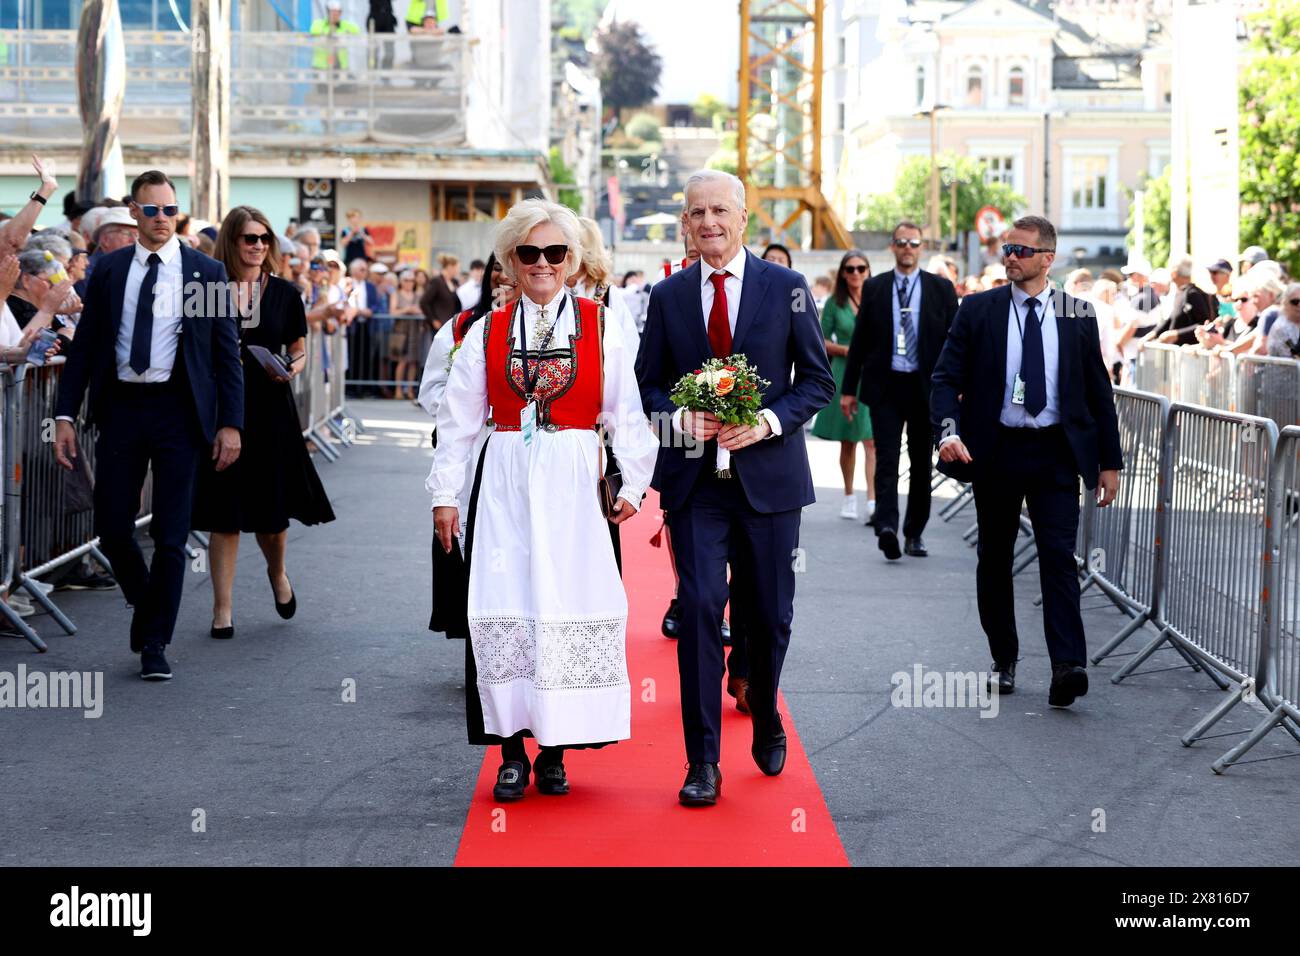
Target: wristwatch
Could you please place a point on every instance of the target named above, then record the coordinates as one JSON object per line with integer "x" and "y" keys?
{"x": 38, "y": 197}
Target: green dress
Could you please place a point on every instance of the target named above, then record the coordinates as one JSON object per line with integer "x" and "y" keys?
{"x": 837, "y": 327}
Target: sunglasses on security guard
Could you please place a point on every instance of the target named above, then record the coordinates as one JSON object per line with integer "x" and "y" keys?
{"x": 855, "y": 269}
{"x": 902, "y": 243}
{"x": 1010, "y": 249}
{"x": 530, "y": 254}
{"x": 256, "y": 238}
{"x": 151, "y": 211}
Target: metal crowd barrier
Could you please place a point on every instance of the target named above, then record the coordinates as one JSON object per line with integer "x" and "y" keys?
{"x": 1278, "y": 678}
{"x": 318, "y": 394}
{"x": 386, "y": 354}
{"x": 1261, "y": 385}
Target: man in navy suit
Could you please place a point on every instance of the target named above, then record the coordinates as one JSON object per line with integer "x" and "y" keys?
{"x": 731, "y": 302}
{"x": 158, "y": 350}
{"x": 1022, "y": 407}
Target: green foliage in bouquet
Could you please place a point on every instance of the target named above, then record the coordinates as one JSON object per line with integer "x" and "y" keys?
{"x": 727, "y": 387}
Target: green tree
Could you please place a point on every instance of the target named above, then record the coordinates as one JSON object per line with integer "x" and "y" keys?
{"x": 710, "y": 109}
{"x": 578, "y": 16}
{"x": 643, "y": 127}
{"x": 912, "y": 185}
{"x": 1270, "y": 131}
{"x": 628, "y": 67}
{"x": 562, "y": 175}
{"x": 1155, "y": 219}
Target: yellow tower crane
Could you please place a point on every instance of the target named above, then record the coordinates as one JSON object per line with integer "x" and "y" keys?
{"x": 779, "y": 140}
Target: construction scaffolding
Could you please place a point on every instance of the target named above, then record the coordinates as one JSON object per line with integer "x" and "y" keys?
{"x": 779, "y": 141}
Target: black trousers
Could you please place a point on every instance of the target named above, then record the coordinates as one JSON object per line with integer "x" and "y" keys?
{"x": 703, "y": 530}
{"x": 1037, "y": 467}
{"x": 148, "y": 426}
{"x": 903, "y": 406}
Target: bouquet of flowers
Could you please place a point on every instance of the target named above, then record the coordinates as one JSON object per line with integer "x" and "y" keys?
{"x": 727, "y": 387}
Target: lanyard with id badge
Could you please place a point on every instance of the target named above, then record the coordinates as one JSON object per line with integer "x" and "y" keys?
{"x": 528, "y": 416}
{"x": 1018, "y": 384}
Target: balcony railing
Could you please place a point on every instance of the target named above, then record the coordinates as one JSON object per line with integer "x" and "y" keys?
{"x": 285, "y": 87}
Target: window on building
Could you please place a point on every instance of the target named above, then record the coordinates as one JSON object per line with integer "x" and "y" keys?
{"x": 844, "y": 50}
{"x": 975, "y": 86}
{"x": 920, "y": 86}
{"x": 1016, "y": 87}
{"x": 999, "y": 169}
{"x": 1089, "y": 190}
{"x": 841, "y": 118}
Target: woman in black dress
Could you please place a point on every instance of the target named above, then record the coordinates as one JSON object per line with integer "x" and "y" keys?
{"x": 273, "y": 479}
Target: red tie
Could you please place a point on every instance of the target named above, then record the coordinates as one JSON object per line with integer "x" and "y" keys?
{"x": 719, "y": 324}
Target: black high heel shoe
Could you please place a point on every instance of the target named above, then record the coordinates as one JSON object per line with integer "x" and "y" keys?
{"x": 287, "y": 609}
{"x": 222, "y": 633}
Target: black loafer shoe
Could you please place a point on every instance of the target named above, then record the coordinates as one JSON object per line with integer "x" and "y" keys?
{"x": 702, "y": 787}
{"x": 153, "y": 663}
{"x": 888, "y": 543}
{"x": 512, "y": 779}
{"x": 672, "y": 624}
{"x": 1003, "y": 678}
{"x": 916, "y": 547}
{"x": 551, "y": 779}
{"x": 1068, "y": 682}
{"x": 769, "y": 747}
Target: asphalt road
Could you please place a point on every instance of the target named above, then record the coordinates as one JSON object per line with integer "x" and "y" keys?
{"x": 253, "y": 756}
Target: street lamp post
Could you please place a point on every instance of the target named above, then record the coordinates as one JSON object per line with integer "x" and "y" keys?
{"x": 933, "y": 204}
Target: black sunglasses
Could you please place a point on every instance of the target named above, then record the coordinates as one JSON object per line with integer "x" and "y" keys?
{"x": 530, "y": 254}
{"x": 1010, "y": 249}
{"x": 902, "y": 243}
{"x": 150, "y": 211}
{"x": 256, "y": 238}
{"x": 1294, "y": 301}
{"x": 848, "y": 269}
{"x": 1242, "y": 298}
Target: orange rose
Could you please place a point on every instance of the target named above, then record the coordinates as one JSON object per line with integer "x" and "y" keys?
{"x": 725, "y": 384}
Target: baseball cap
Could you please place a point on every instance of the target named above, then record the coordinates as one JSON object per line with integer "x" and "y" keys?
{"x": 1253, "y": 255}
{"x": 333, "y": 5}
{"x": 1161, "y": 276}
{"x": 1221, "y": 265}
{"x": 378, "y": 268}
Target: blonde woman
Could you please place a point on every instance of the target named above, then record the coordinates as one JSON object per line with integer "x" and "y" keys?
{"x": 547, "y": 611}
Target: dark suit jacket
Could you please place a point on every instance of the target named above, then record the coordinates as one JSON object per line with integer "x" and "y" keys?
{"x": 872, "y": 346}
{"x": 209, "y": 344}
{"x": 1191, "y": 308}
{"x": 778, "y": 331}
{"x": 970, "y": 379}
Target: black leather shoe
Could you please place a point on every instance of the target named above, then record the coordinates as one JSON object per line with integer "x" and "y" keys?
{"x": 916, "y": 547}
{"x": 1003, "y": 676}
{"x": 888, "y": 543}
{"x": 769, "y": 747}
{"x": 153, "y": 664}
{"x": 672, "y": 624}
{"x": 1068, "y": 682}
{"x": 222, "y": 633}
{"x": 287, "y": 609}
{"x": 512, "y": 779}
{"x": 551, "y": 779}
{"x": 726, "y": 633}
{"x": 703, "y": 785}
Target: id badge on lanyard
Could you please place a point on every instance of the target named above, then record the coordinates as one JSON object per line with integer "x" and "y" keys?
{"x": 1018, "y": 391}
{"x": 901, "y": 346}
{"x": 528, "y": 415}
{"x": 528, "y": 422}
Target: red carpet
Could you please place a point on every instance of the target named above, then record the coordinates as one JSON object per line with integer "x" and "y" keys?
{"x": 623, "y": 808}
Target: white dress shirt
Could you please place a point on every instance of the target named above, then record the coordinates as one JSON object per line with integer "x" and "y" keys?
{"x": 735, "y": 270}
{"x": 1013, "y": 415}
{"x": 901, "y": 363}
{"x": 166, "y": 316}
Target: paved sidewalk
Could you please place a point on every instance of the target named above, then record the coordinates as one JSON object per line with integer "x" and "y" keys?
{"x": 255, "y": 733}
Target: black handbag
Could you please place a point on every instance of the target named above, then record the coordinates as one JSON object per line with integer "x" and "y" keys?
{"x": 78, "y": 487}
{"x": 610, "y": 482}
